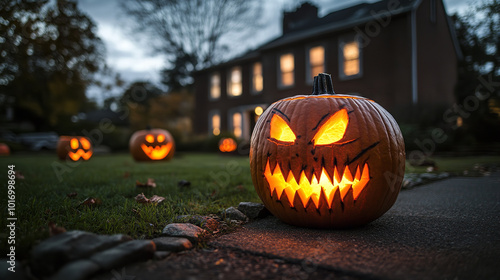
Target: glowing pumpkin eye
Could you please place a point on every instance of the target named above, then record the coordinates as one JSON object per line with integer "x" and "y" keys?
{"x": 150, "y": 138}
{"x": 85, "y": 144}
{"x": 333, "y": 130}
{"x": 160, "y": 138}
{"x": 281, "y": 131}
{"x": 74, "y": 144}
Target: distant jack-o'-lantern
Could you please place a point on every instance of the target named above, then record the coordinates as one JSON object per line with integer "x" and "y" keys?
{"x": 74, "y": 148}
{"x": 326, "y": 160}
{"x": 227, "y": 145}
{"x": 4, "y": 149}
{"x": 152, "y": 145}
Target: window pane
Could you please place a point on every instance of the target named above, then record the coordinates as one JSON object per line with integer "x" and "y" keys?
{"x": 316, "y": 55}
{"x": 237, "y": 124}
{"x": 215, "y": 86}
{"x": 286, "y": 63}
{"x": 257, "y": 81}
{"x": 315, "y": 70}
{"x": 234, "y": 85}
{"x": 287, "y": 79}
{"x": 351, "y": 67}
{"x": 351, "y": 51}
{"x": 216, "y": 124}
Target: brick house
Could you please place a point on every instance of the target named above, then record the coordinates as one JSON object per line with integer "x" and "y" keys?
{"x": 401, "y": 53}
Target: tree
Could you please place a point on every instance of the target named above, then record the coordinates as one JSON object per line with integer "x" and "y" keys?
{"x": 478, "y": 34}
{"x": 191, "y": 33}
{"x": 49, "y": 55}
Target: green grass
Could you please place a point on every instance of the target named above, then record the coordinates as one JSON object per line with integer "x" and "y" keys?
{"x": 217, "y": 182}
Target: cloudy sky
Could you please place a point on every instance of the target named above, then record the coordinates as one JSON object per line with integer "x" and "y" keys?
{"x": 129, "y": 54}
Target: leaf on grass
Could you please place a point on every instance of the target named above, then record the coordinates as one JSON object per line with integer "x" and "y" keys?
{"x": 240, "y": 188}
{"x": 91, "y": 202}
{"x": 71, "y": 195}
{"x": 141, "y": 198}
{"x": 126, "y": 174}
{"x": 219, "y": 261}
{"x": 149, "y": 184}
{"x": 54, "y": 229}
{"x": 157, "y": 199}
{"x": 19, "y": 175}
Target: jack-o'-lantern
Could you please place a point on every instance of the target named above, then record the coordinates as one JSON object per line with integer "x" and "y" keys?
{"x": 152, "y": 145}
{"x": 327, "y": 160}
{"x": 227, "y": 145}
{"x": 4, "y": 149}
{"x": 74, "y": 148}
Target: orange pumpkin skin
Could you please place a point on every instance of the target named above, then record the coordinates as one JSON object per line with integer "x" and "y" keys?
{"x": 371, "y": 148}
{"x": 4, "y": 149}
{"x": 74, "y": 148}
{"x": 227, "y": 145}
{"x": 152, "y": 145}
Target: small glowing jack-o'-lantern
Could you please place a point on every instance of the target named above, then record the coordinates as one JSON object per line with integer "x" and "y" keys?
{"x": 74, "y": 148}
{"x": 4, "y": 149}
{"x": 152, "y": 145}
{"x": 227, "y": 145}
{"x": 326, "y": 160}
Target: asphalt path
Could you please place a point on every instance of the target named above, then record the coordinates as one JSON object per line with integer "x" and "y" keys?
{"x": 448, "y": 229}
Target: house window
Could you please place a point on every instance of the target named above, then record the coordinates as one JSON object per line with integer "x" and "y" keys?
{"x": 215, "y": 86}
{"x": 257, "y": 81}
{"x": 234, "y": 82}
{"x": 350, "y": 59}
{"x": 237, "y": 121}
{"x": 316, "y": 60}
{"x": 286, "y": 70}
{"x": 215, "y": 123}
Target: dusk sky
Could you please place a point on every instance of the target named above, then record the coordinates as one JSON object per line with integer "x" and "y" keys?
{"x": 129, "y": 54}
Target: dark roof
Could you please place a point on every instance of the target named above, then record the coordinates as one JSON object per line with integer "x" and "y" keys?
{"x": 338, "y": 20}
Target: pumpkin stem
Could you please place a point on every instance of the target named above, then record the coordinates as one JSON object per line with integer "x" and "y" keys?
{"x": 322, "y": 84}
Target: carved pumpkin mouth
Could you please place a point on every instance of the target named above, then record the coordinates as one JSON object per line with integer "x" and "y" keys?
{"x": 317, "y": 187}
{"x": 80, "y": 154}
{"x": 156, "y": 152}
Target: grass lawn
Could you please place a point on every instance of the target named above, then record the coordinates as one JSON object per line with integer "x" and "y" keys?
{"x": 217, "y": 182}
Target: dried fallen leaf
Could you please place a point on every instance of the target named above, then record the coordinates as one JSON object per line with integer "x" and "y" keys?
{"x": 141, "y": 198}
{"x": 71, "y": 195}
{"x": 157, "y": 199}
{"x": 126, "y": 174}
{"x": 240, "y": 188}
{"x": 91, "y": 202}
{"x": 54, "y": 229}
{"x": 220, "y": 261}
{"x": 149, "y": 184}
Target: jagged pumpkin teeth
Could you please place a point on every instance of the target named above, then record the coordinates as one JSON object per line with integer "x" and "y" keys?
{"x": 306, "y": 189}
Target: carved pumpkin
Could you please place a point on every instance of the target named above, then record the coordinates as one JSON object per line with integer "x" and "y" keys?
{"x": 227, "y": 145}
{"x": 152, "y": 145}
{"x": 4, "y": 149}
{"x": 74, "y": 148}
{"x": 326, "y": 160}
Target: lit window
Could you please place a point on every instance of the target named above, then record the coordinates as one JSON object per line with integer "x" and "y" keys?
{"x": 237, "y": 125}
{"x": 257, "y": 81}
{"x": 351, "y": 59}
{"x": 234, "y": 82}
{"x": 215, "y": 86}
{"x": 215, "y": 124}
{"x": 316, "y": 62}
{"x": 286, "y": 69}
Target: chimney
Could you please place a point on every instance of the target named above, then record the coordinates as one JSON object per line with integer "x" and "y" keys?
{"x": 300, "y": 17}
